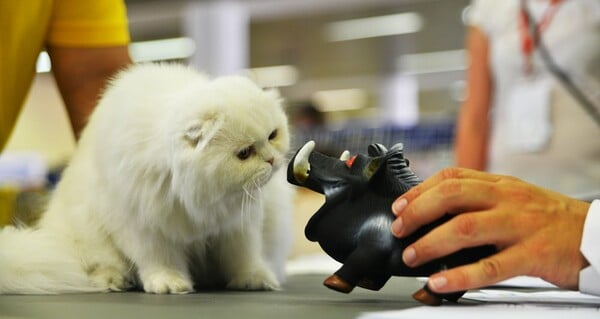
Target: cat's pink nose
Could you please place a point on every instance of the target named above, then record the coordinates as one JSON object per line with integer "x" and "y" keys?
{"x": 271, "y": 160}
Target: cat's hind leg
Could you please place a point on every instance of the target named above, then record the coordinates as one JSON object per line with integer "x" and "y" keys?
{"x": 106, "y": 267}
{"x": 161, "y": 265}
{"x": 111, "y": 277}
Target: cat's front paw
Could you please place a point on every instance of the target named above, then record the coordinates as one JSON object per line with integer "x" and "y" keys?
{"x": 167, "y": 282}
{"x": 257, "y": 279}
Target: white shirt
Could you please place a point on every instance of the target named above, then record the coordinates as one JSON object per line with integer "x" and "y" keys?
{"x": 568, "y": 158}
{"x": 589, "y": 277}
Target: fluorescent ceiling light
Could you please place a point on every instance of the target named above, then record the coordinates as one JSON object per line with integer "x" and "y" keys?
{"x": 433, "y": 62}
{"x": 401, "y": 23}
{"x": 274, "y": 76}
{"x": 166, "y": 49}
{"x": 156, "y": 50}
{"x": 340, "y": 100}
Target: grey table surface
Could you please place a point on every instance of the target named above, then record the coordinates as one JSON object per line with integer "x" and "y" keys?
{"x": 303, "y": 296}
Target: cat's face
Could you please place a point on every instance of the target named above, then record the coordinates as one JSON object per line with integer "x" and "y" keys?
{"x": 235, "y": 137}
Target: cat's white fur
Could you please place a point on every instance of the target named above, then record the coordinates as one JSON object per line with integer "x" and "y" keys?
{"x": 157, "y": 193}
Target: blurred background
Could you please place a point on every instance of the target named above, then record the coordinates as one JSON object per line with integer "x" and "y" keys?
{"x": 352, "y": 72}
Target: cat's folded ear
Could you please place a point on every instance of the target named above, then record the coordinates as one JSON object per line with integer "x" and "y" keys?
{"x": 201, "y": 131}
{"x": 274, "y": 94}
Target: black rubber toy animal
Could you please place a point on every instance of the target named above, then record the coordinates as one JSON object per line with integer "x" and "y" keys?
{"x": 353, "y": 225}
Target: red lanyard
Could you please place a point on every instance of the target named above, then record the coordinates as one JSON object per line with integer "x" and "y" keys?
{"x": 528, "y": 43}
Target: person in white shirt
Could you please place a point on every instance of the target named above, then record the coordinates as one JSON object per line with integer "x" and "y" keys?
{"x": 537, "y": 232}
{"x": 518, "y": 119}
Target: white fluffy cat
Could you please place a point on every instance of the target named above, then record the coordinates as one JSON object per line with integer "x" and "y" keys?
{"x": 176, "y": 181}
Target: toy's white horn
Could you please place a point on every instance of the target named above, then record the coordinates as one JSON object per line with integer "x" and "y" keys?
{"x": 301, "y": 164}
{"x": 345, "y": 156}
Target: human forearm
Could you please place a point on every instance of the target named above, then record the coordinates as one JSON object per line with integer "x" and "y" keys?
{"x": 81, "y": 74}
{"x": 472, "y": 129}
{"x": 471, "y": 144}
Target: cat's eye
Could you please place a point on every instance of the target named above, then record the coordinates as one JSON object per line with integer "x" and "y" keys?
{"x": 273, "y": 135}
{"x": 245, "y": 153}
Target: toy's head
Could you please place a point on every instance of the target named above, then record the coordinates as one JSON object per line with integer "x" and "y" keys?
{"x": 384, "y": 171}
{"x": 362, "y": 186}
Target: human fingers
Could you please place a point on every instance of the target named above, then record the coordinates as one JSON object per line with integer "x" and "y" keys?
{"x": 450, "y": 173}
{"x": 448, "y": 196}
{"x": 463, "y": 231}
{"x": 506, "y": 264}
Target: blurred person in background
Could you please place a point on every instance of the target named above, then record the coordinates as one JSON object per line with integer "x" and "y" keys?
{"x": 518, "y": 119}
{"x": 87, "y": 42}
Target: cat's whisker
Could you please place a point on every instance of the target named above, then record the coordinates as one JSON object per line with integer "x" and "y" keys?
{"x": 258, "y": 190}
{"x": 243, "y": 210}
{"x": 247, "y": 200}
{"x": 249, "y": 192}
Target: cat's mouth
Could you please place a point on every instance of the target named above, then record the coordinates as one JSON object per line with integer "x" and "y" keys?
{"x": 260, "y": 178}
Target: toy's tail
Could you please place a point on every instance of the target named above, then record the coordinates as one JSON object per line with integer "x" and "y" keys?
{"x": 32, "y": 261}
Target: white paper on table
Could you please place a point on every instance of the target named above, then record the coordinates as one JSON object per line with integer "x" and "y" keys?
{"x": 519, "y": 281}
{"x": 525, "y": 282}
{"x": 496, "y": 311}
{"x": 552, "y": 296}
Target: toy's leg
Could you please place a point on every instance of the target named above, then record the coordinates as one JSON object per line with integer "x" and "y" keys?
{"x": 454, "y": 296}
{"x": 428, "y": 297}
{"x": 337, "y": 283}
{"x": 354, "y": 269}
{"x": 374, "y": 281}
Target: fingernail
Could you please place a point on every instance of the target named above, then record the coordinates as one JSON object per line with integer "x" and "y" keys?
{"x": 397, "y": 226}
{"x": 437, "y": 282}
{"x": 399, "y": 205}
{"x": 409, "y": 256}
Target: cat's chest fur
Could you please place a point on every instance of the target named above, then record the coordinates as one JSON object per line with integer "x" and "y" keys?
{"x": 232, "y": 214}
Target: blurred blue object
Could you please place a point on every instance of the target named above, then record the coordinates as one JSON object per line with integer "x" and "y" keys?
{"x": 428, "y": 145}
{"x": 23, "y": 170}
{"x": 421, "y": 137}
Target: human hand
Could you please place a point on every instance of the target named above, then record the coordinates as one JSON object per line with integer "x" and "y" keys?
{"x": 537, "y": 232}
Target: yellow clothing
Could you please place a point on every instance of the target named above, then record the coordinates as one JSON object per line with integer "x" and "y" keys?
{"x": 26, "y": 27}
